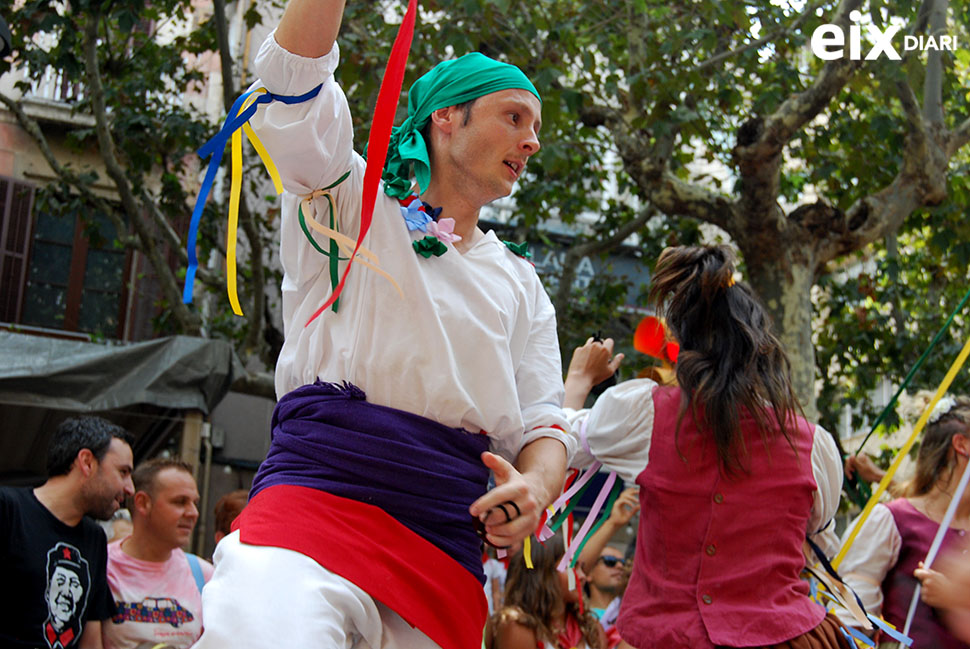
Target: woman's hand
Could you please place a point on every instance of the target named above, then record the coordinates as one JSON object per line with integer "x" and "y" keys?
{"x": 592, "y": 363}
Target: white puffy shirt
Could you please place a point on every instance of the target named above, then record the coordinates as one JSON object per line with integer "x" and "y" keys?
{"x": 472, "y": 343}
{"x": 619, "y": 427}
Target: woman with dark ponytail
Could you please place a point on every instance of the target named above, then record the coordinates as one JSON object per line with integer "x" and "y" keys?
{"x": 732, "y": 479}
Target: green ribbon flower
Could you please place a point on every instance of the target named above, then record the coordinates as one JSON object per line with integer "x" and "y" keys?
{"x": 429, "y": 246}
{"x": 520, "y": 249}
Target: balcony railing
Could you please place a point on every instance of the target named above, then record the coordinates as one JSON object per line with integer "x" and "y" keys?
{"x": 53, "y": 86}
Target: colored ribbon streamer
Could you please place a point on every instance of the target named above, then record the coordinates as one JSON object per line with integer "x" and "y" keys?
{"x": 334, "y": 253}
{"x": 614, "y": 494}
{"x": 380, "y": 135}
{"x": 577, "y": 486}
{"x": 917, "y": 429}
{"x": 527, "y": 552}
{"x": 239, "y": 115}
{"x": 338, "y": 242}
{"x": 567, "y": 558}
{"x": 951, "y": 510}
{"x": 891, "y": 631}
{"x": 912, "y": 372}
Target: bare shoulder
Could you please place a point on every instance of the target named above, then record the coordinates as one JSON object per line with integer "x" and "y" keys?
{"x": 511, "y": 628}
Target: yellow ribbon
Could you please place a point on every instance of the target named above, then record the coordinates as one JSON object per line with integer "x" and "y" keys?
{"x": 527, "y": 552}
{"x": 235, "y": 190}
{"x": 347, "y": 245}
{"x": 884, "y": 483}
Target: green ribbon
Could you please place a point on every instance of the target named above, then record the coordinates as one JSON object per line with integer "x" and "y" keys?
{"x": 859, "y": 491}
{"x": 334, "y": 253}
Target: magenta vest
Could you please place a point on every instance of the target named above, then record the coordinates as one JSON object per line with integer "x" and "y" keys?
{"x": 718, "y": 559}
{"x": 917, "y": 532}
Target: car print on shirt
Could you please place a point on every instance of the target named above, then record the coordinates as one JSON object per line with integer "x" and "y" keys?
{"x": 156, "y": 610}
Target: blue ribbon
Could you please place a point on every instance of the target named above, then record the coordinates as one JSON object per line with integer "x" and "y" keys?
{"x": 859, "y": 635}
{"x": 899, "y": 637}
{"x": 215, "y": 147}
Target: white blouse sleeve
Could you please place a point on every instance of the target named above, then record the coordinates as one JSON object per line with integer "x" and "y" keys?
{"x": 311, "y": 142}
{"x": 873, "y": 553}
{"x": 827, "y": 471}
{"x": 617, "y": 429}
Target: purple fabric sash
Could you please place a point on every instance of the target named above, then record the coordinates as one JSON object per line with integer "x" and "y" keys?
{"x": 326, "y": 436}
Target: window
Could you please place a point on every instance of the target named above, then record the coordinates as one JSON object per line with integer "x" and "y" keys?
{"x": 16, "y": 199}
{"x": 63, "y": 273}
{"x": 76, "y": 277}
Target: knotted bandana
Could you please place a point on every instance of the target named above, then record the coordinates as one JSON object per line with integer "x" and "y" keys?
{"x": 447, "y": 84}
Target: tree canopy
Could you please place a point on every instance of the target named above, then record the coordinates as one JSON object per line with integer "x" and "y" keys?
{"x": 842, "y": 182}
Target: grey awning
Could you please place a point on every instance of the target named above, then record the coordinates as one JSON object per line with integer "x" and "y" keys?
{"x": 178, "y": 372}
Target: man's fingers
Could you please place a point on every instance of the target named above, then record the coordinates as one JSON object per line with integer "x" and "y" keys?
{"x": 499, "y": 466}
{"x": 504, "y": 534}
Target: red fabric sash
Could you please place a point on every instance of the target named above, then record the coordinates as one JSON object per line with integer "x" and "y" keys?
{"x": 365, "y": 545}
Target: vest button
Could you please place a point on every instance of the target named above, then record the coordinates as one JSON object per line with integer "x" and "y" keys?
{"x": 710, "y": 550}
{"x": 706, "y": 599}
{"x": 718, "y": 498}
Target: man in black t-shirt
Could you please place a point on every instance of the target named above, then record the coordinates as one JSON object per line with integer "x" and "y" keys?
{"x": 53, "y": 558}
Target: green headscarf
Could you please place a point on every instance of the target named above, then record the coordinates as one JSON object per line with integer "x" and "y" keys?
{"x": 447, "y": 84}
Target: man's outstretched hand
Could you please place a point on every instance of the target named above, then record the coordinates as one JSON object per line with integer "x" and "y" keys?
{"x": 507, "y": 523}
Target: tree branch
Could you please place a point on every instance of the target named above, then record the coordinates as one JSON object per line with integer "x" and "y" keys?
{"x": 188, "y": 321}
{"x": 34, "y": 131}
{"x": 799, "y": 109}
{"x": 778, "y": 33}
{"x": 920, "y": 182}
{"x": 595, "y": 247}
{"x": 958, "y": 138}
{"x": 933, "y": 82}
{"x": 257, "y": 384}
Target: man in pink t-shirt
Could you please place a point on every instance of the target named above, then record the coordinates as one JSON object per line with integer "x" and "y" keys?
{"x": 156, "y": 586}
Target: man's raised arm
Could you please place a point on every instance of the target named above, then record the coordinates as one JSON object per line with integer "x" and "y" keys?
{"x": 309, "y": 27}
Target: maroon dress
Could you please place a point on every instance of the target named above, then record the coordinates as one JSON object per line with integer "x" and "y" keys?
{"x": 916, "y": 532}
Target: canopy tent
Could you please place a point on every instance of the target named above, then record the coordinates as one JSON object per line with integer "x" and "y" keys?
{"x": 146, "y": 387}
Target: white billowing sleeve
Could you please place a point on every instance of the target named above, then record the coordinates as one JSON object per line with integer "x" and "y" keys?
{"x": 311, "y": 142}
{"x": 617, "y": 430}
{"x": 538, "y": 378}
{"x": 873, "y": 553}
{"x": 827, "y": 471}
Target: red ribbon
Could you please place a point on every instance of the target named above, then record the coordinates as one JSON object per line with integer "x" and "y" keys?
{"x": 380, "y": 135}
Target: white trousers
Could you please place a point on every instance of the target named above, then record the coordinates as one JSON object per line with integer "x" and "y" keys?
{"x": 263, "y": 597}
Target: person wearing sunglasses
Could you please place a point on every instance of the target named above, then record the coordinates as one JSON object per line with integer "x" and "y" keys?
{"x": 605, "y": 582}
{"x": 605, "y": 566}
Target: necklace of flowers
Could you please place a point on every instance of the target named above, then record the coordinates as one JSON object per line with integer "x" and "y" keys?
{"x": 420, "y": 216}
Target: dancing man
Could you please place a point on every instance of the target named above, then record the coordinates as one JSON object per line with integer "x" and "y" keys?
{"x": 394, "y": 407}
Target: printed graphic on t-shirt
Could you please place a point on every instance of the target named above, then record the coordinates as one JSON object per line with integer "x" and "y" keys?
{"x": 68, "y": 582}
{"x": 156, "y": 610}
